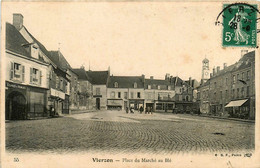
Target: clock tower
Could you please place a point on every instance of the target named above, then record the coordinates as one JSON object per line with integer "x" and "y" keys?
{"x": 205, "y": 70}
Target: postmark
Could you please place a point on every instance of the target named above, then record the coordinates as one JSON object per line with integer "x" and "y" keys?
{"x": 239, "y": 25}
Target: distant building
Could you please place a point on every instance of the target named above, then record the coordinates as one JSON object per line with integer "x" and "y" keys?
{"x": 230, "y": 91}
{"x": 99, "y": 80}
{"x": 125, "y": 91}
{"x": 85, "y": 90}
{"x": 159, "y": 95}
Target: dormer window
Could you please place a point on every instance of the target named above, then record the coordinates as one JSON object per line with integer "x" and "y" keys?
{"x": 135, "y": 85}
{"x": 34, "y": 51}
{"x": 116, "y": 85}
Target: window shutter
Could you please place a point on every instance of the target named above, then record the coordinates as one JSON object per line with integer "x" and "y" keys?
{"x": 31, "y": 75}
{"x": 40, "y": 77}
{"x": 12, "y": 70}
{"x": 22, "y": 73}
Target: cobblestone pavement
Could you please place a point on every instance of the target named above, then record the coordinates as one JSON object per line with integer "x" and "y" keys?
{"x": 118, "y": 132}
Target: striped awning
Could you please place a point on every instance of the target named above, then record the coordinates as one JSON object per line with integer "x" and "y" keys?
{"x": 236, "y": 103}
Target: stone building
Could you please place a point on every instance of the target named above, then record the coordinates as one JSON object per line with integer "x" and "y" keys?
{"x": 125, "y": 91}
{"x": 99, "y": 81}
{"x": 26, "y": 75}
{"x": 159, "y": 95}
{"x": 85, "y": 90}
{"x": 230, "y": 91}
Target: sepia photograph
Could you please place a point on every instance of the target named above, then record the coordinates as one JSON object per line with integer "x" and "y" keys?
{"x": 129, "y": 84}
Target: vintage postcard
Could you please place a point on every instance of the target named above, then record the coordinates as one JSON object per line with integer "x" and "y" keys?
{"x": 130, "y": 84}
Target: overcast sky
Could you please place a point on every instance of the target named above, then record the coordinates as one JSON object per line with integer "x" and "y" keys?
{"x": 132, "y": 38}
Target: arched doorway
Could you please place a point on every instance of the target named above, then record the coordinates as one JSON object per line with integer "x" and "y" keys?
{"x": 15, "y": 106}
{"x": 98, "y": 103}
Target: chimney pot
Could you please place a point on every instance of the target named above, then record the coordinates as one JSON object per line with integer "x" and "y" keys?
{"x": 218, "y": 69}
{"x": 151, "y": 77}
{"x": 224, "y": 65}
{"x": 18, "y": 21}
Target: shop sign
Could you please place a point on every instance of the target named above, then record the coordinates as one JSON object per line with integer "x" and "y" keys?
{"x": 13, "y": 85}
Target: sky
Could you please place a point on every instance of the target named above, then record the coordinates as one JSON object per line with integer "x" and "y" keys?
{"x": 133, "y": 38}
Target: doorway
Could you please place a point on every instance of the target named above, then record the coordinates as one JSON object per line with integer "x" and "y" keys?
{"x": 15, "y": 107}
{"x": 98, "y": 103}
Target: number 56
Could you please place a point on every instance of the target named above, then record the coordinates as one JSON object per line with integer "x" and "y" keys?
{"x": 228, "y": 36}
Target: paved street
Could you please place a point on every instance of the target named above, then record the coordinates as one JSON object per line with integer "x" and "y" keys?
{"x": 118, "y": 132}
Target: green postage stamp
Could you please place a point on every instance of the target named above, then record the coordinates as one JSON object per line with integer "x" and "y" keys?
{"x": 239, "y": 25}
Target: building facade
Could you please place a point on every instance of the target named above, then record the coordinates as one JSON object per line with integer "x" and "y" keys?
{"x": 99, "y": 80}
{"x": 26, "y": 77}
{"x": 125, "y": 92}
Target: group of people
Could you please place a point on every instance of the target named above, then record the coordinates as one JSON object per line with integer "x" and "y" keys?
{"x": 148, "y": 110}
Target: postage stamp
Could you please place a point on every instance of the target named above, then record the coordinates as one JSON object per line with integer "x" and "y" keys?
{"x": 239, "y": 25}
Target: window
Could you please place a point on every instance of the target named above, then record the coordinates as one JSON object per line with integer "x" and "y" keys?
{"x": 149, "y": 86}
{"x": 215, "y": 85}
{"x": 242, "y": 92}
{"x": 187, "y": 98}
{"x": 169, "y": 87}
{"x": 234, "y": 78}
{"x": 159, "y": 87}
{"x": 119, "y": 95}
{"x": 125, "y": 95}
{"x": 247, "y": 91}
{"x": 237, "y": 92}
{"x": 248, "y": 75}
{"x": 226, "y": 94}
{"x": 180, "y": 90}
{"x": 135, "y": 85}
{"x": 226, "y": 81}
{"x": 112, "y": 95}
{"x": 61, "y": 84}
{"x": 17, "y": 72}
{"x": 233, "y": 93}
{"x": 116, "y": 85}
{"x": 97, "y": 91}
{"x": 132, "y": 95}
{"x": 35, "y": 76}
{"x": 237, "y": 77}
{"x": 243, "y": 76}
{"x": 138, "y": 95}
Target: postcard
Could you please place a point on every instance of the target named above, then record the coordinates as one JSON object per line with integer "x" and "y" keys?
{"x": 129, "y": 84}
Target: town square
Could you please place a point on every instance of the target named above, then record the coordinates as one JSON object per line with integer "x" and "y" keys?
{"x": 127, "y": 78}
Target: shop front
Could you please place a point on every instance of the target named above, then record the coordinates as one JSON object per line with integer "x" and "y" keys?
{"x": 114, "y": 104}
{"x": 239, "y": 108}
{"x": 164, "y": 106}
{"x": 136, "y": 103}
{"x": 25, "y": 102}
{"x": 57, "y": 101}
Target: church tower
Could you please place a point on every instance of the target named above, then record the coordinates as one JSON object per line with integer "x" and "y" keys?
{"x": 205, "y": 71}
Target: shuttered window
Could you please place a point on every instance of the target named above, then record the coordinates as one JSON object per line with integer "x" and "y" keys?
{"x": 17, "y": 72}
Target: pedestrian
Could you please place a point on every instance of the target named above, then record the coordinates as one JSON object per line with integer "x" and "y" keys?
{"x": 141, "y": 109}
{"x": 126, "y": 109}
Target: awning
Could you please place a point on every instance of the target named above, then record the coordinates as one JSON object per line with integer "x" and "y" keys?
{"x": 236, "y": 103}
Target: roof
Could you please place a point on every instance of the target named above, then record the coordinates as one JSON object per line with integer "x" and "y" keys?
{"x": 177, "y": 81}
{"x": 126, "y": 81}
{"x": 41, "y": 46}
{"x": 57, "y": 58}
{"x": 14, "y": 41}
{"x": 82, "y": 75}
{"x": 194, "y": 83}
{"x": 98, "y": 77}
{"x": 205, "y": 60}
{"x": 246, "y": 61}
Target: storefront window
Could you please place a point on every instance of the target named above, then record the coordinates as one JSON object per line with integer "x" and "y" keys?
{"x": 36, "y": 102}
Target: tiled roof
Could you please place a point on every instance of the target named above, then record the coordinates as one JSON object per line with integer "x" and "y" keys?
{"x": 126, "y": 81}
{"x": 246, "y": 61}
{"x": 57, "y": 58}
{"x": 98, "y": 77}
{"x": 177, "y": 81}
{"x": 14, "y": 41}
{"x": 82, "y": 75}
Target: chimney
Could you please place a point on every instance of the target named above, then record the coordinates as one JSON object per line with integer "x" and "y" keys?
{"x": 224, "y": 65}
{"x": 214, "y": 71}
{"x": 243, "y": 52}
{"x": 190, "y": 81}
{"x": 143, "y": 77}
{"x": 18, "y": 21}
{"x": 151, "y": 77}
{"x": 218, "y": 69}
{"x": 211, "y": 75}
